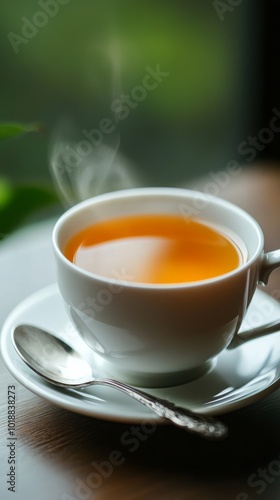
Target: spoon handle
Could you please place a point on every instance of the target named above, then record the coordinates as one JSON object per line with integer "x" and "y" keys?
{"x": 186, "y": 419}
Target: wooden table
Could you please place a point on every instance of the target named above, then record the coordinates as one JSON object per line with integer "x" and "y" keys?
{"x": 57, "y": 451}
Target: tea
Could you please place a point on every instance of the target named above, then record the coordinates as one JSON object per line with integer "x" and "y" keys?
{"x": 155, "y": 248}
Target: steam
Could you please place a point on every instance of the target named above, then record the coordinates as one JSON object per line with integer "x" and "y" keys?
{"x": 87, "y": 163}
{"x": 77, "y": 178}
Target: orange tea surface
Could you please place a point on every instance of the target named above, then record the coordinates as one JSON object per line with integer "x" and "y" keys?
{"x": 161, "y": 249}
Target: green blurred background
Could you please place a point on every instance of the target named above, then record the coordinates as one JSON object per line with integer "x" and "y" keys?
{"x": 80, "y": 55}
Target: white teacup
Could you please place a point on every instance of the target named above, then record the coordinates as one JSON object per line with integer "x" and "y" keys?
{"x": 151, "y": 334}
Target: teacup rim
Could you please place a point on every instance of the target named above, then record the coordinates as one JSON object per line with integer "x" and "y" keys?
{"x": 155, "y": 191}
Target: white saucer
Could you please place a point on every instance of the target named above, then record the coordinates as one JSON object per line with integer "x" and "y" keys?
{"x": 238, "y": 378}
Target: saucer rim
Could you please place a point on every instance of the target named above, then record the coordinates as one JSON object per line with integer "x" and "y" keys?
{"x": 66, "y": 399}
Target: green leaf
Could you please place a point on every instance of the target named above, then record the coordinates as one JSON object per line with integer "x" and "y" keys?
{"x": 22, "y": 202}
{"x": 8, "y": 130}
{"x": 6, "y": 192}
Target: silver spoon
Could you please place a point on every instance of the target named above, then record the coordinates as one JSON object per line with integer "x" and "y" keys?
{"x": 60, "y": 364}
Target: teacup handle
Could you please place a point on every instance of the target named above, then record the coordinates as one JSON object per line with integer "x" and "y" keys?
{"x": 271, "y": 260}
